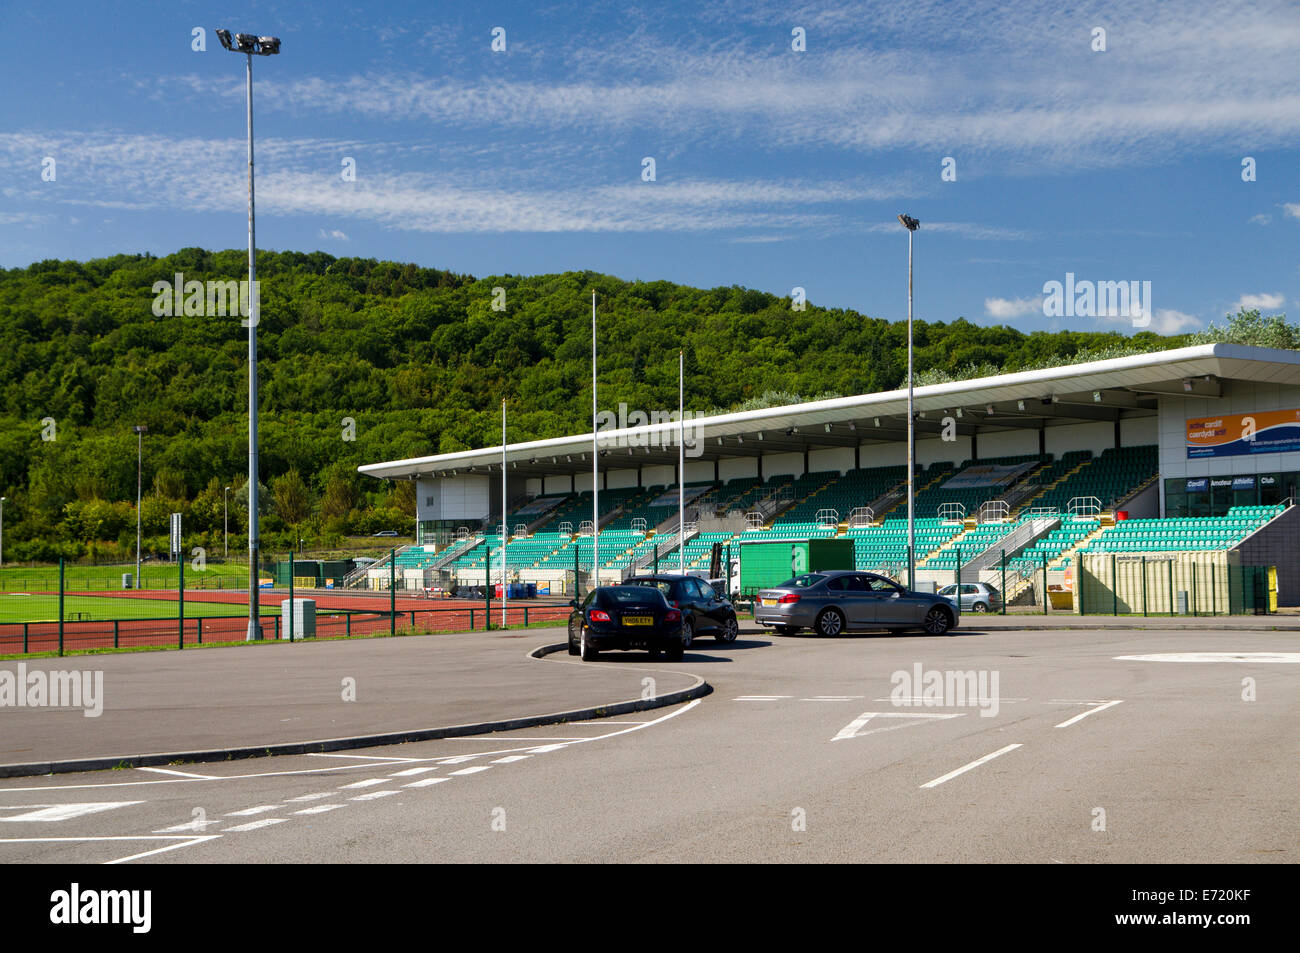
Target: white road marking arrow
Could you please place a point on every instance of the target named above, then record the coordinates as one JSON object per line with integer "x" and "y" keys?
{"x": 60, "y": 812}
{"x": 854, "y": 728}
{"x": 1102, "y": 706}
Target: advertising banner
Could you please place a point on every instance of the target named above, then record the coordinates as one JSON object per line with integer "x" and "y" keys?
{"x": 1234, "y": 435}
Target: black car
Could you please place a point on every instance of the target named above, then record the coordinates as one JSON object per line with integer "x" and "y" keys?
{"x": 706, "y": 611}
{"x": 625, "y": 617}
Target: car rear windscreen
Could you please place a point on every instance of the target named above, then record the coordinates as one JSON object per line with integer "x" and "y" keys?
{"x": 628, "y": 594}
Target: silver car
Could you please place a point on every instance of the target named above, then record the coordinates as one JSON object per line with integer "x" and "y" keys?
{"x": 975, "y": 596}
{"x": 842, "y": 600}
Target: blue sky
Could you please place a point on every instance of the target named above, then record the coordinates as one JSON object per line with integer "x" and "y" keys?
{"x": 774, "y": 168}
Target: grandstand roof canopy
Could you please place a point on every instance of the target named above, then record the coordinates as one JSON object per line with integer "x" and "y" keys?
{"x": 1071, "y": 394}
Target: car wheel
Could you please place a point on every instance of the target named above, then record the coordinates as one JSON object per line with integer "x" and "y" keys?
{"x": 730, "y": 629}
{"x": 588, "y": 650}
{"x": 786, "y": 630}
{"x": 573, "y": 648}
{"x": 980, "y": 607}
{"x": 688, "y": 633}
{"x": 830, "y": 622}
{"x": 938, "y": 621}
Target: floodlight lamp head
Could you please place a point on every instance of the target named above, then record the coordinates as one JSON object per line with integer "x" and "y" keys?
{"x": 908, "y": 222}
{"x": 246, "y": 42}
{"x": 268, "y": 45}
{"x": 224, "y": 37}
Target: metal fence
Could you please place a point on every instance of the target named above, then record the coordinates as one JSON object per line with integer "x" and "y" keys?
{"x": 63, "y": 612}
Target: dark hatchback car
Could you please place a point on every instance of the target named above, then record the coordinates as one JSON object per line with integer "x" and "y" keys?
{"x": 625, "y": 617}
{"x": 706, "y": 611}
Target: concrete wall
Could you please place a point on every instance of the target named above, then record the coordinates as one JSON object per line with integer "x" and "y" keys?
{"x": 893, "y": 454}
{"x": 699, "y": 470}
{"x": 557, "y": 485}
{"x": 1138, "y": 431}
{"x": 834, "y": 458}
{"x": 658, "y": 475}
{"x": 1146, "y": 504}
{"x": 1275, "y": 545}
{"x": 1095, "y": 437}
{"x": 617, "y": 479}
{"x": 1012, "y": 443}
{"x": 733, "y": 468}
{"x": 453, "y": 498}
{"x": 783, "y": 463}
{"x": 934, "y": 449}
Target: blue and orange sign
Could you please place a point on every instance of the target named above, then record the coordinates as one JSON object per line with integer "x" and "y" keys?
{"x": 1234, "y": 435}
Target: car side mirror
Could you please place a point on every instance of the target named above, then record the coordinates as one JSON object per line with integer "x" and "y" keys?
{"x": 573, "y": 603}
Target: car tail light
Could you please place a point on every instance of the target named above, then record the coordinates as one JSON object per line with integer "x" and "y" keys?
{"x": 788, "y": 598}
{"x": 673, "y": 616}
{"x": 598, "y": 615}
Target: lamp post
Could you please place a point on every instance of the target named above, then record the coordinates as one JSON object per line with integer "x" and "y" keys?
{"x": 249, "y": 44}
{"x": 595, "y": 461}
{"x": 225, "y": 518}
{"x": 139, "y": 456}
{"x": 911, "y": 225}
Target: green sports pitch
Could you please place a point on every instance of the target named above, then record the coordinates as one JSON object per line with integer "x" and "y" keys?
{"x": 42, "y": 607}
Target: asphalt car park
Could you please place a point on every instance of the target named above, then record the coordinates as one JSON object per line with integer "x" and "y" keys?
{"x": 1114, "y": 745}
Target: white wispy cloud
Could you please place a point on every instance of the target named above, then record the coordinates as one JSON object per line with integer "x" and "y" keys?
{"x": 1291, "y": 209}
{"x": 1169, "y": 321}
{"x": 1004, "y": 309}
{"x": 333, "y": 234}
{"x": 1261, "y": 302}
{"x": 1260, "y": 219}
{"x": 301, "y": 177}
{"x": 878, "y": 76}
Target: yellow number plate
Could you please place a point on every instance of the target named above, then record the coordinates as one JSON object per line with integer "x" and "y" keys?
{"x": 638, "y": 620}
{"x": 768, "y": 602}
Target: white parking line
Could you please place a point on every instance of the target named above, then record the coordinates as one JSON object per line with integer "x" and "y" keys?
{"x": 967, "y": 767}
{"x": 249, "y": 811}
{"x": 760, "y": 698}
{"x": 367, "y": 783}
{"x": 255, "y": 825}
{"x": 320, "y": 809}
{"x": 373, "y": 795}
{"x": 854, "y": 728}
{"x": 311, "y": 797}
{"x": 364, "y": 757}
{"x": 545, "y": 748}
{"x": 179, "y": 774}
{"x": 410, "y": 772}
{"x": 511, "y": 759}
{"x": 473, "y": 770}
{"x": 425, "y": 782}
{"x": 1090, "y": 711}
{"x": 190, "y": 842}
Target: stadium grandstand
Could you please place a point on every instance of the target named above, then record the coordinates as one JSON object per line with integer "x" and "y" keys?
{"x": 1194, "y": 450}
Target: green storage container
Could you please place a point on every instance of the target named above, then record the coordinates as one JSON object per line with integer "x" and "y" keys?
{"x": 765, "y": 564}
